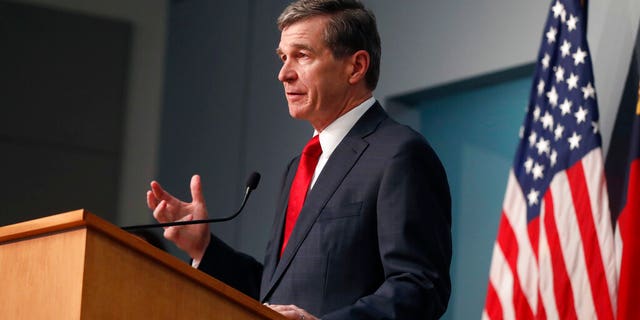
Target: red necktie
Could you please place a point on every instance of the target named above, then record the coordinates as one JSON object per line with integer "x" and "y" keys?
{"x": 300, "y": 186}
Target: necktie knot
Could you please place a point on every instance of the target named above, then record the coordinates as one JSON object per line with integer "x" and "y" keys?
{"x": 313, "y": 147}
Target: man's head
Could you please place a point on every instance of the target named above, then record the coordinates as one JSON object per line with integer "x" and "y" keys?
{"x": 330, "y": 50}
{"x": 351, "y": 27}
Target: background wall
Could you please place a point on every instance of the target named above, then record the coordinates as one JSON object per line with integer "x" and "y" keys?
{"x": 475, "y": 142}
{"x": 53, "y": 66}
{"x": 147, "y": 19}
{"x": 224, "y": 115}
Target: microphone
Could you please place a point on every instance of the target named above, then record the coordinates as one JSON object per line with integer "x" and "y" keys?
{"x": 252, "y": 183}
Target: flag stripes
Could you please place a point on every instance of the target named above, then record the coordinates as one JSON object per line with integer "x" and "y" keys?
{"x": 575, "y": 278}
{"x": 553, "y": 257}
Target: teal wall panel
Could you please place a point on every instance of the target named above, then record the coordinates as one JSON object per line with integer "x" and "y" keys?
{"x": 475, "y": 133}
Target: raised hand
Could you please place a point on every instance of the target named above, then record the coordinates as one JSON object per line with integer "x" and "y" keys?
{"x": 193, "y": 239}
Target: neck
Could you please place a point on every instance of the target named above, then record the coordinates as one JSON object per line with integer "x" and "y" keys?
{"x": 348, "y": 106}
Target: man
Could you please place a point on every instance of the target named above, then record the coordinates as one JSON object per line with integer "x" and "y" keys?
{"x": 363, "y": 223}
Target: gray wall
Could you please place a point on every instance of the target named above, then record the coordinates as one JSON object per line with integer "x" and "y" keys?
{"x": 62, "y": 92}
{"x": 144, "y": 95}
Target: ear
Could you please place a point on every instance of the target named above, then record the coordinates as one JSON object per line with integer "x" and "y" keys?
{"x": 359, "y": 63}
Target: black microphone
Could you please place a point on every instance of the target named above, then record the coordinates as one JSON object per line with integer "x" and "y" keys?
{"x": 252, "y": 183}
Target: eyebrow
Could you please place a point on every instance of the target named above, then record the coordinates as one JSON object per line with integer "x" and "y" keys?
{"x": 298, "y": 46}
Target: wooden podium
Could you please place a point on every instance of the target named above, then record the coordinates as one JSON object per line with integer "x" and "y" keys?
{"x": 77, "y": 266}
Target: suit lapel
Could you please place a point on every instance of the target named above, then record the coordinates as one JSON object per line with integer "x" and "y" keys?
{"x": 273, "y": 247}
{"x": 343, "y": 158}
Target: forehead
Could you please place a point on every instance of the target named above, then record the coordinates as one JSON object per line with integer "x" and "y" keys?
{"x": 307, "y": 33}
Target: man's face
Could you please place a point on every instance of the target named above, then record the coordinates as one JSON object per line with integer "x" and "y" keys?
{"x": 315, "y": 83}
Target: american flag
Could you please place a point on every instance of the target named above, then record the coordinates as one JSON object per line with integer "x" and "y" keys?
{"x": 554, "y": 253}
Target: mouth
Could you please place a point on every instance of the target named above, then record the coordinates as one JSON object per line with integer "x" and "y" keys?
{"x": 294, "y": 95}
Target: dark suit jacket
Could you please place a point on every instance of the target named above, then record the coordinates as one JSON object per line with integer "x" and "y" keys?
{"x": 373, "y": 240}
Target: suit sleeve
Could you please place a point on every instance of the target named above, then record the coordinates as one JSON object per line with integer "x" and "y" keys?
{"x": 414, "y": 233}
{"x": 234, "y": 268}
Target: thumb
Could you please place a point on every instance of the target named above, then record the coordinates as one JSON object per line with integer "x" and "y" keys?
{"x": 196, "y": 189}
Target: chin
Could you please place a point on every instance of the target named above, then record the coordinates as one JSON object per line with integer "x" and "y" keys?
{"x": 297, "y": 113}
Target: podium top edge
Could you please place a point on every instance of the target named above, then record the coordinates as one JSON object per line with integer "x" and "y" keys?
{"x": 82, "y": 218}
{"x": 53, "y": 223}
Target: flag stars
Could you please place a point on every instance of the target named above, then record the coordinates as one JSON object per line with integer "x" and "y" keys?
{"x": 581, "y": 115}
{"x": 561, "y": 125}
{"x": 574, "y": 141}
{"x": 553, "y": 158}
{"x": 572, "y": 81}
{"x": 579, "y": 56}
{"x": 540, "y": 87}
{"x": 589, "y": 91}
{"x": 528, "y": 165}
{"x": 532, "y": 138}
{"x": 552, "y": 95}
{"x": 537, "y": 171}
{"x": 546, "y": 60}
{"x": 572, "y": 22}
{"x": 543, "y": 146}
{"x": 558, "y": 9}
{"x": 566, "y": 106}
{"x": 559, "y": 74}
{"x": 558, "y": 132}
{"x": 536, "y": 113}
{"x": 565, "y": 49}
{"x": 532, "y": 197}
{"x": 551, "y": 35}
{"x": 547, "y": 121}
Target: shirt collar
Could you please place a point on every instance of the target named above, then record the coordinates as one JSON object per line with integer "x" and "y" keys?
{"x": 333, "y": 134}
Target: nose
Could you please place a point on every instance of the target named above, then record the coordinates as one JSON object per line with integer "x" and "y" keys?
{"x": 287, "y": 73}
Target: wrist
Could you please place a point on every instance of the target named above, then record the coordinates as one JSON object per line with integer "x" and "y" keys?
{"x": 201, "y": 248}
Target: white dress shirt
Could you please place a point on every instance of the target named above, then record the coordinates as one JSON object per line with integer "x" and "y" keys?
{"x": 333, "y": 134}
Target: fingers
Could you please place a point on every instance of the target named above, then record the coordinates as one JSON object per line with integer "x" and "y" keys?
{"x": 152, "y": 201}
{"x": 160, "y": 213}
{"x": 172, "y": 233}
{"x": 165, "y": 206}
{"x": 157, "y": 190}
{"x": 291, "y": 312}
{"x": 192, "y": 239}
{"x": 196, "y": 189}
{"x": 164, "y": 213}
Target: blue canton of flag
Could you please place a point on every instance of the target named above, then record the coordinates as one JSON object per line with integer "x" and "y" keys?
{"x": 561, "y": 125}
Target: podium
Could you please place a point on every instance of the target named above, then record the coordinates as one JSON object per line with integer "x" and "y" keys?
{"x": 77, "y": 266}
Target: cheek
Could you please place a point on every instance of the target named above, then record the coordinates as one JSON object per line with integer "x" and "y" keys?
{"x": 322, "y": 83}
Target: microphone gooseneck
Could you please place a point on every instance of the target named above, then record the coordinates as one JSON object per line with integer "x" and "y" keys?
{"x": 252, "y": 183}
